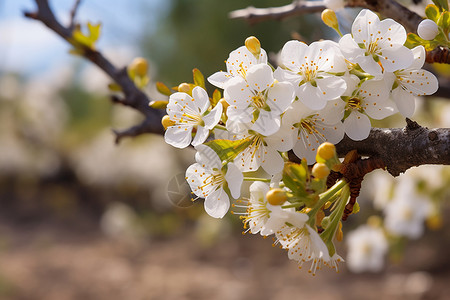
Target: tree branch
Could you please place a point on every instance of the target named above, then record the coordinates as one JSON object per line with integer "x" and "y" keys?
{"x": 255, "y": 15}
{"x": 403, "y": 148}
{"x": 134, "y": 97}
{"x": 387, "y": 8}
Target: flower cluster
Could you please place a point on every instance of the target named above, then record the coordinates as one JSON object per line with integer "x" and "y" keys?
{"x": 318, "y": 93}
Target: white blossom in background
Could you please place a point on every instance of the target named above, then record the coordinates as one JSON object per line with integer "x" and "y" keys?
{"x": 412, "y": 81}
{"x": 335, "y": 4}
{"x": 377, "y": 46}
{"x": 258, "y": 100}
{"x": 308, "y": 68}
{"x": 238, "y": 63}
{"x": 189, "y": 113}
{"x": 310, "y": 128}
{"x": 406, "y": 212}
{"x": 367, "y": 247}
{"x": 208, "y": 179}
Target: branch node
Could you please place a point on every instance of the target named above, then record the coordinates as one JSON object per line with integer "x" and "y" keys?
{"x": 411, "y": 125}
{"x": 31, "y": 15}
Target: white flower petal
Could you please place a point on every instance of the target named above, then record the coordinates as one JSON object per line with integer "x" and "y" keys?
{"x": 238, "y": 93}
{"x": 357, "y": 126}
{"x": 396, "y": 59}
{"x": 272, "y": 163}
{"x": 309, "y": 95}
{"x": 213, "y": 117}
{"x": 234, "y": 178}
{"x": 350, "y": 48}
{"x": 207, "y": 157}
{"x": 179, "y": 136}
{"x": 266, "y": 124}
{"x": 419, "y": 57}
{"x": 291, "y": 55}
{"x": 280, "y": 96}
{"x": 219, "y": 79}
{"x": 369, "y": 65}
{"x": 260, "y": 77}
{"x": 331, "y": 87}
{"x": 217, "y": 203}
{"x": 363, "y": 25}
{"x": 405, "y": 102}
{"x": 200, "y": 136}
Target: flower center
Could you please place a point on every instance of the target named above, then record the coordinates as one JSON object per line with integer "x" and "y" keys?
{"x": 212, "y": 182}
{"x": 309, "y": 71}
{"x": 354, "y": 104}
{"x": 308, "y": 125}
{"x": 259, "y": 100}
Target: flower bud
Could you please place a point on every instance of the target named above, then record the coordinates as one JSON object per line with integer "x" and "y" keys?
{"x": 184, "y": 87}
{"x": 139, "y": 66}
{"x": 329, "y": 18}
{"x": 167, "y": 122}
{"x": 320, "y": 171}
{"x": 427, "y": 29}
{"x": 253, "y": 45}
{"x": 276, "y": 196}
{"x": 326, "y": 150}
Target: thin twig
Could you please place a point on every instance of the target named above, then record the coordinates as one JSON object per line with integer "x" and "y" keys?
{"x": 387, "y": 8}
{"x": 73, "y": 13}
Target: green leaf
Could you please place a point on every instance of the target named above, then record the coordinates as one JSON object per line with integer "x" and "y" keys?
{"x": 432, "y": 12}
{"x": 87, "y": 40}
{"x": 227, "y": 150}
{"x": 442, "y": 4}
{"x": 163, "y": 89}
{"x": 444, "y": 21}
{"x": 199, "y": 79}
{"x": 114, "y": 87}
{"x": 294, "y": 177}
{"x": 159, "y": 104}
{"x": 414, "y": 40}
{"x": 217, "y": 95}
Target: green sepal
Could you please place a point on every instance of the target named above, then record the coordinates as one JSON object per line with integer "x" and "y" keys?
{"x": 227, "y": 150}
{"x": 199, "y": 79}
{"x": 163, "y": 89}
{"x": 159, "y": 104}
{"x": 294, "y": 177}
{"x": 444, "y": 21}
{"x": 432, "y": 12}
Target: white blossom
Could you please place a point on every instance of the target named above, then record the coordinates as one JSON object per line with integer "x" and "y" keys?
{"x": 407, "y": 211}
{"x": 238, "y": 63}
{"x": 190, "y": 114}
{"x": 413, "y": 81}
{"x": 367, "y": 247}
{"x": 309, "y": 68}
{"x": 258, "y": 100}
{"x": 310, "y": 128}
{"x": 377, "y": 46}
{"x": 210, "y": 180}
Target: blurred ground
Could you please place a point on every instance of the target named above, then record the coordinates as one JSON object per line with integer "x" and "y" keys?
{"x": 48, "y": 261}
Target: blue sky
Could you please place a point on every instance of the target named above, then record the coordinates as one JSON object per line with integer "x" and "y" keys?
{"x": 29, "y": 47}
